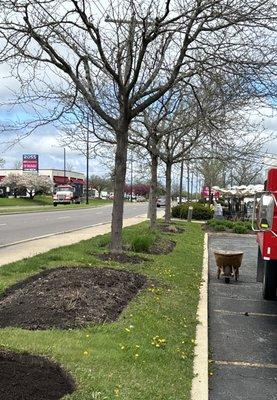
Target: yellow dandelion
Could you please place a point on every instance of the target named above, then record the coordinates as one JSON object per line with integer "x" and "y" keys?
{"x": 85, "y": 353}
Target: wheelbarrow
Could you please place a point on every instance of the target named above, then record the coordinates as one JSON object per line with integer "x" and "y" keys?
{"x": 228, "y": 264}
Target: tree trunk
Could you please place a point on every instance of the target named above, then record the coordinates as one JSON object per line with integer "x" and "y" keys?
{"x": 168, "y": 193}
{"x": 119, "y": 184}
{"x": 153, "y": 192}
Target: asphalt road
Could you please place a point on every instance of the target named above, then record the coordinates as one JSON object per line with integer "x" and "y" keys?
{"x": 17, "y": 227}
{"x": 242, "y": 329}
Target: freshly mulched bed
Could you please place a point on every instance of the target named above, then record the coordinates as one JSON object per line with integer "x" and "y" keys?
{"x": 69, "y": 298}
{"x": 162, "y": 246}
{"x": 28, "y": 377}
{"x": 121, "y": 258}
{"x": 171, "y": 228}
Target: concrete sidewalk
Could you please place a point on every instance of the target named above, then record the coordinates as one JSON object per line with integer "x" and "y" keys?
{"x": 31, "y": 248}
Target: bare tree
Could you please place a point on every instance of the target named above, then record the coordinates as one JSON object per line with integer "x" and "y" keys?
{"x": 120, "y": 66}
{"x": 248, "y": 172}
{"x": 17, "y": 165}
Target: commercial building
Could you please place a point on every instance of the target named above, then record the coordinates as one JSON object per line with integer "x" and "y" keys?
{"x": 56, "y": 175}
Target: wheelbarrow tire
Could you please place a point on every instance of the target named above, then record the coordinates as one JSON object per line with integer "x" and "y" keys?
{"x": 236, "y": 274}
{"x": 227, "y": 279}
{"x": 270, "y": 280}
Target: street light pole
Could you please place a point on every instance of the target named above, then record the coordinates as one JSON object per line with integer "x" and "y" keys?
{"x": 87, "y": 185}
{"x": 131, "y": 176}
{"x": 64, "y": 166}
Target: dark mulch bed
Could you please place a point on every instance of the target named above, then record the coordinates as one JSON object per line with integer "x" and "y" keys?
{"x": 69, "y": 298}
{"x": 28, "y": 377}
{"x": 171, "y": 228}
{"x": 162, "y": 246}
{"x": 121, "y": 258}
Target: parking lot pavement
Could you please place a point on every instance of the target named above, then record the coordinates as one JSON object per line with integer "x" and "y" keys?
{"x": 242, "y": 329}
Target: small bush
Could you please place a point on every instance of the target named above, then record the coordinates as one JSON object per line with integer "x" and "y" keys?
{"x": 240, "y": 228}
{"x": 219, "y": 228}
{"x": 200, "y": 211}
{"x": 212, "y": 222}
{"x": 229, "y": 224}
{"x": 142, "y": 244}
{"x": 248, "y": 225}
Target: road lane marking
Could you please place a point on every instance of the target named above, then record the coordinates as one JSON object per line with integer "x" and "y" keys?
{"x": 68, "y": 217}
{"x": 2, "y": 224}
{"x": 249, "y": 314}
{"x": 244, "y": 364}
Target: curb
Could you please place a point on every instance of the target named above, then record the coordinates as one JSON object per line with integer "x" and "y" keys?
{"x": 199, "y": 389}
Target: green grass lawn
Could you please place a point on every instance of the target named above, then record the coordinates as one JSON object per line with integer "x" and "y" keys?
{"x": 43, "y": 203}
{"x": 25, "y": 201}
{"x": 148, "y": 353}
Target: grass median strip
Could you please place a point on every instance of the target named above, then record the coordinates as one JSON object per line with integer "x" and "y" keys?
{"x": 43, "y": 203}
{"x": 147, "y": 353}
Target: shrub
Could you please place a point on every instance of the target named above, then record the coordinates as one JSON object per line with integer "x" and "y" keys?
{"x": 219, "y": 228}
{"x": 229, "y": 224}
{"x": 142, "y": 244}
{"x": 212, "y": 222}
{"x": 240, "y": 228}
{"x": 248, "y": 225}
{"x": 200, "y": 212}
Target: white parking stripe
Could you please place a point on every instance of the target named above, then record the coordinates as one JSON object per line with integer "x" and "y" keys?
{"x": 244, "y": 364}
{"x": 250, "y": 314}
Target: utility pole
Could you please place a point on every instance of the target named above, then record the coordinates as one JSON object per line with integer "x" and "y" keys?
{"x": 181, "y": 177}
{"x": 191, "y": 186}
{"x": 87, "y": 157}
{"x": 131, "y": 177}
{"x": 188, "y": 180}
{"x": 64, "y": 166}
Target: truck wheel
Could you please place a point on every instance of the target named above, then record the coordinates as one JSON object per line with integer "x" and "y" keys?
{"x": 227, "y": 279}
{"x": 55, "y": 204}
{"x": 270, "y": 280}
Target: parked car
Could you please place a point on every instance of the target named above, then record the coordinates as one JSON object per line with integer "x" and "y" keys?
{"x": 161, "y": 201}
{"x": 140, "y": 199}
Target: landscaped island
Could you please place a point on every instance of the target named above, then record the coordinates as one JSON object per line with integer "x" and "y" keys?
{"x": 139, "y": 343}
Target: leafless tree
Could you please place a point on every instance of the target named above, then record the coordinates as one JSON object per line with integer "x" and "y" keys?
{"x": 2, "y": 162}
{"x": 120, "y": 66}
{"x": 17, "y": 164}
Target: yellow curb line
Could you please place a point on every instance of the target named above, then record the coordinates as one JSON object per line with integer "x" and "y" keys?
{"x": 199, "y": 390}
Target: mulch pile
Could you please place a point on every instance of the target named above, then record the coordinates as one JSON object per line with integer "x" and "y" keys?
{"x": 28, "y": 377}
{"x": 121, "y": 258}
{"x": 69, "y": 298}
{"x": 162, "y": 246}
{"x": 171, "y": 228}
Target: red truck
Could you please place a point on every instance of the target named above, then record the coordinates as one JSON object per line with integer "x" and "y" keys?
{"x": 264, "y": 222}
